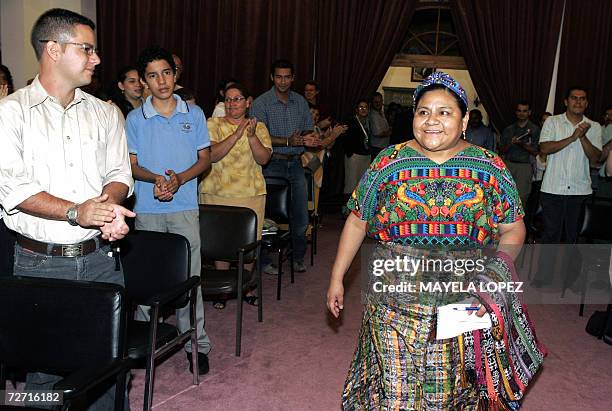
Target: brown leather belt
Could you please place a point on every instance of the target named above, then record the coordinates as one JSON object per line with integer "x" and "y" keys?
{"x": 279, "y": 156}
{"x": 61, "y": 250}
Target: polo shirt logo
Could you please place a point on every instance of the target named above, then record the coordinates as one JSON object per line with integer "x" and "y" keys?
{"x": 186, "y": 127}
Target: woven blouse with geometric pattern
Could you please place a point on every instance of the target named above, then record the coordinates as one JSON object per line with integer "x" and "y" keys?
{"x": 407, "y": 198}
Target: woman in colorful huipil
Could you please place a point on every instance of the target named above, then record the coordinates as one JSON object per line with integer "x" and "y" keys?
{"x": 436, "y": 198}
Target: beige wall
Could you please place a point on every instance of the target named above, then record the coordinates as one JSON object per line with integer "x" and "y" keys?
{"x": 16, "y": 20}
{"x": 400, "y": 77}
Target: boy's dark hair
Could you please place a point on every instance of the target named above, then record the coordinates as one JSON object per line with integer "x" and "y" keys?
{"x": 283, "y": 64}
{"x": 150, "y": 54}
{"x": 57, "y": 25}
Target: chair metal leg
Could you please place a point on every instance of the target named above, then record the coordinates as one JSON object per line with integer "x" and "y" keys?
{"x": 194, "y": 334}
{"x": 150, "y": 368}
{"x": 280, "y": 274}
{"x": 120, "y": 391}
{"x": 239, "y": 305}
{"x": 259, "y": 293}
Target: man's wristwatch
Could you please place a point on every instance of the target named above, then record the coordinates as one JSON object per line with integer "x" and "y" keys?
{"x": 72, "y": 214}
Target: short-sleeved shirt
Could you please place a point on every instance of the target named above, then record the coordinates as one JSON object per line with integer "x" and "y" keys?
{"x": 283, "y": 119}
{"x": 481, "y": 136}
{"x": 236, "y": 175}
{"x": 162, "y": 144}
{"x": 516, "y": 153}
{"x": 406, "y": 198}
{"x": 567, "y": 170}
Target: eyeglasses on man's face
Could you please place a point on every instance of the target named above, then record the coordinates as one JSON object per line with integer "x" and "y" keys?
{"x": 234, "y": 99}
{"x": 89, "y": 49}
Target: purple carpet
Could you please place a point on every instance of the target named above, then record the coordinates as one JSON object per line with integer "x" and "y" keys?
{"x": 298, "y": 357}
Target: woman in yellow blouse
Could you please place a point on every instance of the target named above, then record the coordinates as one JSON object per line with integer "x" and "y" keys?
{"x": 240, "y": 146}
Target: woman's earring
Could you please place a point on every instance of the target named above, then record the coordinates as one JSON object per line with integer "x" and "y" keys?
{"x": 463, "y": 135}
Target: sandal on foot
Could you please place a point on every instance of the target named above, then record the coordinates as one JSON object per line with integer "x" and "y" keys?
{"x": 219, "y": 305}
{"x": 251, "y": 299}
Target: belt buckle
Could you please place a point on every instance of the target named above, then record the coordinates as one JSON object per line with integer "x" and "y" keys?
{"x": 72, "y": 250}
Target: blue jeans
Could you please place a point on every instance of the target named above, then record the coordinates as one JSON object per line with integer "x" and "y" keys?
{"x": 96, "y": 266}
{"x": 293, "y": 171}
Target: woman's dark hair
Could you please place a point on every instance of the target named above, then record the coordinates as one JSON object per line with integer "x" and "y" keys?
{"x": 221, "y": 89}
{"x": 361, "y": 100}
{"x": 185, "y": 93}
{"x": 460, "y": 102}
{"x": 8, "y": 77}
{"x": 116, "y": 93}
{"x": 242, "y": 89}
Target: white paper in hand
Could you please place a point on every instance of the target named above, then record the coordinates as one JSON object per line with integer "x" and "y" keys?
{"x": 454, "y": 319}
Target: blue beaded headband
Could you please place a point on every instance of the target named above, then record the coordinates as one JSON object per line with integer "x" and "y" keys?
{"x": 443, "y": 79}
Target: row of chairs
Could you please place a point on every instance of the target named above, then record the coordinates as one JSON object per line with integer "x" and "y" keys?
{"x": 156, "y": 267}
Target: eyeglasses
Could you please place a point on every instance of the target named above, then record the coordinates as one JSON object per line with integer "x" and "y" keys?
{"x": 577, "y": 98}
{"x": 234, "y": 99}
{"x": 362, "y": 107}
{"x": 89, "y": 49}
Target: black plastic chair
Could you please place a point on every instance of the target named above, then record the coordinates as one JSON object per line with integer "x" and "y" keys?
{"x": 230, "y": 234}
{"x": 156, "y": 268}
{"x": 74, "y": 329}
{"x": 278, "y": 209}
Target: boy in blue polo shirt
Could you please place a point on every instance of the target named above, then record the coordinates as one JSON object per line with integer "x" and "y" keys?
{"x": 169, "y": 147}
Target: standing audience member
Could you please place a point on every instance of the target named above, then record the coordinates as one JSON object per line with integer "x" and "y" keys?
{"x": 168, "y": 144}
{"x": 519, "y": 146}
{"x": 64, "y": 167}
{"x": 356, "y": 147}
{"x": 381, "y": 132}
{"x": 127, "y": 94}
{"x": 286, "y": 115}
{"x": 7, "y": 237}
{"x": 571, "y": 143}
{"x": 479, "y": 134}
{"x": 240, "y": 147}
{"x": 178, "y": 63}
{"x": 219, "y": 110}
{"x": 6, "y": 82}
{"x": 311, "y": 94}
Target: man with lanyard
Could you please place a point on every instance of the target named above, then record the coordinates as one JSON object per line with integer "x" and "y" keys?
{"x": 64, "y": 167}
{"x": 288, "y": 119}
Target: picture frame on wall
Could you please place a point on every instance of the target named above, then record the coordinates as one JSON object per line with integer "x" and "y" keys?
{"x": 420, "y": 73}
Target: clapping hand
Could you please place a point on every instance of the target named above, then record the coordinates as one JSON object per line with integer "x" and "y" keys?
{"x": 117, "y": 229}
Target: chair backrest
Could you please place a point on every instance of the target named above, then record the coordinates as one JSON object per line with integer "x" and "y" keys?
{"x": 224, "y": 229}
{"x": 60, "y": 325}
{"x": 278, "y": 199}
{"x": 596, "y": 222}
{"x": 310, "y": 187}
{"x": 154, "y": 262}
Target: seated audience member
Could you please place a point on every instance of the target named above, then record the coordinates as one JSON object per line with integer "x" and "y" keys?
{"x": 186, "y": 94}
{"x": 219, "y": 110}
{"x": 240, "y": 147}
{"x": 169, "y": 148}
{"x": 380, "y": 130}
{"x": 543, "y": 118}
{"x": 356, "y": 146}
{"x": 479, "y": 134}
{"x": 519, "y": 146}
{"x": 6, "y": 82}
{"x": 127, "y": 93}
{"x": 311, "y": 94}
